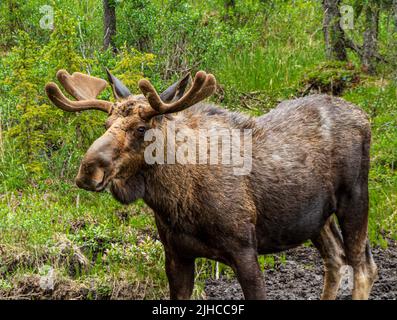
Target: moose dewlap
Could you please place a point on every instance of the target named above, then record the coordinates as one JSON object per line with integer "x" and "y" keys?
{"x": 308, "y": 165}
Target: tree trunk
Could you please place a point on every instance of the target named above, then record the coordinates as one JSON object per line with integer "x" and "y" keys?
{"x": 109, "y": 23}
{"x": 229, "y": 6}
{"x": 12, "y": 22}
{"x": 333, "y": 33}
{"x": 370, "y": 45}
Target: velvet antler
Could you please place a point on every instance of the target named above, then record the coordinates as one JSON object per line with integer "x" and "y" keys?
{"x": 203, "y": 86}
{"x": 83, "y": 87}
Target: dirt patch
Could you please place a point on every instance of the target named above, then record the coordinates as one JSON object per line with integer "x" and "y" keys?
{"x": 301, "y": 278}
{"x": 36, "y": 287}
{"x": 32, "y": 288}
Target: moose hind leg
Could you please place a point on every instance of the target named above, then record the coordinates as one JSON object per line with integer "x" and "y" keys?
{"x": 365, "y": 274}
{"x": 372, "y": 269}
{"x": 353, "y": 216}
{"x": 330, "y": 245}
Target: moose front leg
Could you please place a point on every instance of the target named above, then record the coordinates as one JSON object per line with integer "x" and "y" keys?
{"x": 249, "y": 275}
{"x": 180, "y": 273}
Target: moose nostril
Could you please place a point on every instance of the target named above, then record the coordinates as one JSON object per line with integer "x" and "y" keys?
{"x": 96, "y": 164}
{"x": 92, "y": 181}
{"x": 80, "y": 183}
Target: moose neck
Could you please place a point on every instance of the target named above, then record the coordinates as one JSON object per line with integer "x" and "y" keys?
{"x": 170, "y": 186}
{"x": 169, "y": 190}
{"x": 161, "y": 179}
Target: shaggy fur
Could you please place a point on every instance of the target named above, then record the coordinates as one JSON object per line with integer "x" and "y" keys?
{"x": 310, "y": 160}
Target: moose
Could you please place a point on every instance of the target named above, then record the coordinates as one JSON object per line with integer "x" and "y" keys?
{"x": 308, "y": 180}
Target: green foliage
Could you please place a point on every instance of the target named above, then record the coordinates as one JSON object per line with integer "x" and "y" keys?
{"x": 331, "y": 77}
{"x": 138, "y": 27}
{"x": 61, "y": 50}
{"x": 275, "y": 61}
{"x": 133, "y": 65}
{"x": 29, "y": 131}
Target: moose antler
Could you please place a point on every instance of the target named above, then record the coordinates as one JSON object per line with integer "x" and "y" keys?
{"x": 83, "y": 87}
{"x": 203, "y": 86}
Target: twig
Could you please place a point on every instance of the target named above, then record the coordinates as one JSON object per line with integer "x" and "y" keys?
{"x": 82, "y": 49}
{"x": 359, "y": 50}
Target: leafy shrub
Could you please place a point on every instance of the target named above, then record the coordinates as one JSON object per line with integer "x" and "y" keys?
{"x": 331, "y": 77}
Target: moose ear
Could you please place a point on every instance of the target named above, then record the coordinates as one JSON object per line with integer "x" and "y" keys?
{"x": 176, "y": 91}
{"x": 120, "y": 91}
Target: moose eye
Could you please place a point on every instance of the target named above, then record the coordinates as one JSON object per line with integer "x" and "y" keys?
{"x": 141, "y": 129}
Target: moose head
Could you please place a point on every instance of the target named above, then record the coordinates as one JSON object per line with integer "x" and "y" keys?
{"x": 118, "y": 154}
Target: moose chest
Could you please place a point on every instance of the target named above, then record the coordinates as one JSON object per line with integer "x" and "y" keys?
{"x": 205, "y": 227}
{"x": 188, "y": 240}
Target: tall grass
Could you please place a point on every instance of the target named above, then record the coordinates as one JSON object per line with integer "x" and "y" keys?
{"x": 274, "y": 69}
{"x": 1, "y": 143}
{"x": 291, "y": 43}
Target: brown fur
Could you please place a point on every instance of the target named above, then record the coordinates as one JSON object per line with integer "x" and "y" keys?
{"x": 310, "y": 161}
{"x": 309, "y": 155}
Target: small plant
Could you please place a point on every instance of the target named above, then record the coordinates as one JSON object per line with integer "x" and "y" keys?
{"x": 330, "y": 77}
{"x": 132, "y": 65}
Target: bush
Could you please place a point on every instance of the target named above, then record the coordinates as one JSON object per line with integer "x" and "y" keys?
{"x": 332, "y": 77}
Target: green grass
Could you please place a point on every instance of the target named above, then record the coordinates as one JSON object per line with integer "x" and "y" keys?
{"x": 49, "y": 227}
{"x": 271, "y": 69}
{"x": 275, "y": 64}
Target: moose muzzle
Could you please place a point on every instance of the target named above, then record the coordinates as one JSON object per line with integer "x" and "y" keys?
{"x": 97, "y": 167}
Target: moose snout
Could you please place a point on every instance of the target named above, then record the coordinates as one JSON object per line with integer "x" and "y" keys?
{"x": 91, "y": 182}
{"x": 97, "y": 165}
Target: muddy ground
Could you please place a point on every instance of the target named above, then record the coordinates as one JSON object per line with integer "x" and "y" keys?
{"x": 300, "y": 277}
{"x": 297, "y": 275}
